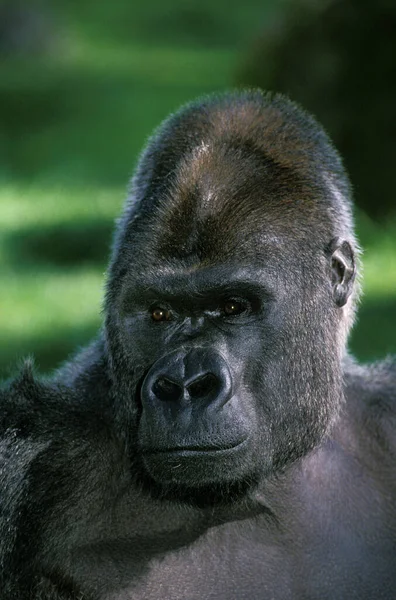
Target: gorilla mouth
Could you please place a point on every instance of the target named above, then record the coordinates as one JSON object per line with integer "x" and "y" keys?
{"x": 199, "y": 474}
{"x": 198, "y": 449}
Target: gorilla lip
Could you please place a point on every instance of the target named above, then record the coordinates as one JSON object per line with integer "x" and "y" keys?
{"x": 191, "y": 450}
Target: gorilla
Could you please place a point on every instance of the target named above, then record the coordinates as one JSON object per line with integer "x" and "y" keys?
{"x": 216, "y": 440}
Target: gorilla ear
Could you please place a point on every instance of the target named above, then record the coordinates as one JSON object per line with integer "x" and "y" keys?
{"x": 342, "y": 270}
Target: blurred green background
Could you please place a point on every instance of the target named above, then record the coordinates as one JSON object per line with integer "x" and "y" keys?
{"x": 82, "y": 85}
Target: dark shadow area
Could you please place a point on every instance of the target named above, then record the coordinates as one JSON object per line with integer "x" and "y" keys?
{"x": 186, "y": 24}
{"x": 61, "y": 245}
{"x": 31, "y": 105}
{"x": 374, "y": 335}
{"x": 337, "y": 58}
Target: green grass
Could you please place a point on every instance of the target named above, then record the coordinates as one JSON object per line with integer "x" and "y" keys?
{"x": 71, "y": 126}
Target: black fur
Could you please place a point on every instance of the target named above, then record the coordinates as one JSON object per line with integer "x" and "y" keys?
{"x": 215, "y": 440}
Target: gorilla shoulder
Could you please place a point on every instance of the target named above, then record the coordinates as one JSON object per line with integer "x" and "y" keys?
{"x": 27, "y": 404}
{"x": 34, "y": 407}
{"x": 371, "y": 398}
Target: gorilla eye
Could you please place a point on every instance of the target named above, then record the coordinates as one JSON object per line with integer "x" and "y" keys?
{"x": 234, "y": 307}
{"x": 160, "y": 314}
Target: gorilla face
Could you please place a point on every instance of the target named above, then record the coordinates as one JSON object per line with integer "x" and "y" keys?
{"x": 198, "y": 422}
{"x": 226, "y": 317}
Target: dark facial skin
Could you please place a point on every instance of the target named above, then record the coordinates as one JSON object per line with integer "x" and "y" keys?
{"x": 204, "y": 429}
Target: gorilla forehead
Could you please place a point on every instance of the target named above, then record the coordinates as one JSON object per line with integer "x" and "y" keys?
{"x": 225, "y": 195}
{"x": 245, "y": 163}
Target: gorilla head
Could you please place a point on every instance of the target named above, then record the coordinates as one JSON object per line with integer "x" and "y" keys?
{"x": 230, "y": 294}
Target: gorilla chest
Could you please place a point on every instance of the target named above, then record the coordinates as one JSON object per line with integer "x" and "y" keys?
{"x": 240, "y": 562}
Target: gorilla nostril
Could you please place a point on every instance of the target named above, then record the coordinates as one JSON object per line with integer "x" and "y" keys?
{"x": 167, "y": 390}
{"x": 208, "y": 384}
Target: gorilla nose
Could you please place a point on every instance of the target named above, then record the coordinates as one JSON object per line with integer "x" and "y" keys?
{"x": 198, "y": 376}
{"x": 166, "y": 390}
{"x": 203, "y": 387}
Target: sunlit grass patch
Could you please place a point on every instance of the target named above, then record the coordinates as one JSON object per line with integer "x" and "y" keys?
{"x": 378, "y": 258}
{"x": 29, "y": 205}
{"x": 38, "y": 303}
{"x": 380, "y": 271}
